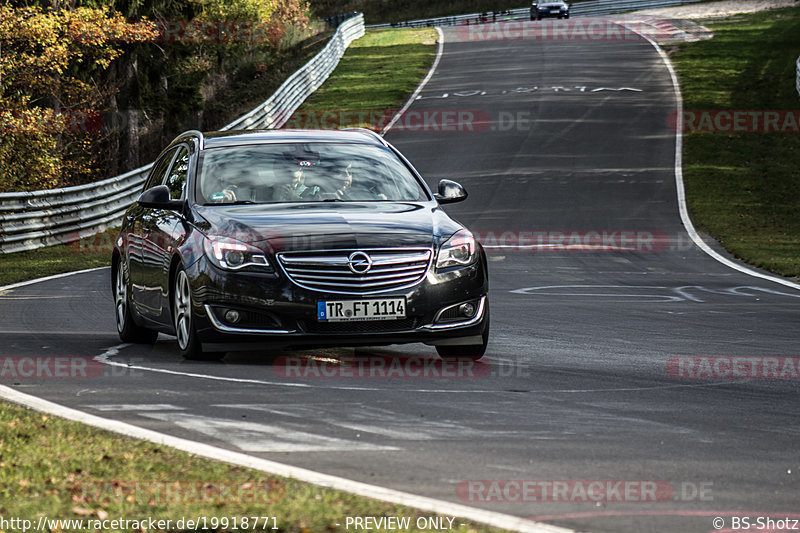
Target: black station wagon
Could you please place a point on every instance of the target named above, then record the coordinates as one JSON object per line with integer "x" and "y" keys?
{"x": 247, "y": 240}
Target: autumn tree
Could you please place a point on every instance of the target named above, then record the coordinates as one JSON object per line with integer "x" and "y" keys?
{"x": 93, "y": 88}
{"x": 53, "y": 88}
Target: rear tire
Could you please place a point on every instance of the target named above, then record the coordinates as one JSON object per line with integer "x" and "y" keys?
{"x": 128, "y": 330}
{"x": 469, "y": 351}
{"x": 183, "y": 318}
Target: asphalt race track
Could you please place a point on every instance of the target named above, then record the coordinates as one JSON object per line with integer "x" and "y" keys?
{"x": 598, "y": 298}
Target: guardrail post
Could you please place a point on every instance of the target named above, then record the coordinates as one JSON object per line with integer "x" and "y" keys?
{"x": 797, "y": 76}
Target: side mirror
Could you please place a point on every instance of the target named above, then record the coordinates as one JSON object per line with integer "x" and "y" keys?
{"x": 450, "y": 192}
{"x": 159, "y": 198}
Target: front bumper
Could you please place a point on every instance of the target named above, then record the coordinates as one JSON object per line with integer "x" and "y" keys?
{"x": 277, "y": 313}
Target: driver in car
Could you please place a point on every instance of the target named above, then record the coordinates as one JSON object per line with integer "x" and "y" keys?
{"x": 341, "y": 181}
{"x": 294, "y": 188}
{"x": 227, "y": 189}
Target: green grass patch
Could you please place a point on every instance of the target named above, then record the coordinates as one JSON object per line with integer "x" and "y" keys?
{"x": 371, "y": 82}
{"x": 89, "y": 252}
{"x": 743, "y": 188}
{"x": 59, "y": 469}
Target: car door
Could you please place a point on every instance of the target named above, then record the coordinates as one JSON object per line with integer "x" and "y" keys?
{"x": 140, "y": 243}
{"x": 163, "y": 229}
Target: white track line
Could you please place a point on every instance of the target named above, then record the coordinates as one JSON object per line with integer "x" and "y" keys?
{"x": 48, "y": 278}
{"x": 685, "y": 218}
{"x": 301, "y": 474}
{"x": 413, "y": 97}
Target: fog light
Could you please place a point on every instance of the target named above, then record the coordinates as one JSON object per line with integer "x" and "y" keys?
{"x": 232, "y": 316}
{"x": 467, "y": 310}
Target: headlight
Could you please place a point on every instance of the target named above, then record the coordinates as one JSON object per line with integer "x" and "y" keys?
{"x": 459, "y": 250}
{"x": 231, "y": 254}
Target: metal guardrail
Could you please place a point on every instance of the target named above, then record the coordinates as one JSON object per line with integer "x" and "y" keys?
{"x": 797, "y": 76}
{"x": 30, "y": 220}
{"x": 581, "y": 9}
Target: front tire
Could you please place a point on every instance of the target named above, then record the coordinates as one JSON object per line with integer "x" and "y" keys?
{"x": 183, "y": 318}
{"x": 470, "y": 351}
{"x": 128, "y": 330}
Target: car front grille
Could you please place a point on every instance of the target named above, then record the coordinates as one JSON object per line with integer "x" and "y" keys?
{"x": 330, "y": 270}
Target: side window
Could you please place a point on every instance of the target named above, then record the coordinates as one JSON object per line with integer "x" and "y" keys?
{"x": 159, "y": 170}
{"x": 176, "y": 178}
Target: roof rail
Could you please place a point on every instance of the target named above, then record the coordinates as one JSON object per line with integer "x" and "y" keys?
{"x": 368, "y": 132}
{"x": 193, "y": 133}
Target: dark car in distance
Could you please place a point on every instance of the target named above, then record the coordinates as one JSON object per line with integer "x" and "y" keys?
{"x": 282, "y": 238}
{"x": 558, "y": 9}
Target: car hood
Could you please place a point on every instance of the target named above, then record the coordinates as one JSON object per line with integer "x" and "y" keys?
{"x": 329, "y": 226}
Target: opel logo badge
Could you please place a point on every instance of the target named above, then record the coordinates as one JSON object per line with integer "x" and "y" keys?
{"x": 359, "y": 262}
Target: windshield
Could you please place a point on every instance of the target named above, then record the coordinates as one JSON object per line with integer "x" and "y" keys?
{"x": 304, "y": 172}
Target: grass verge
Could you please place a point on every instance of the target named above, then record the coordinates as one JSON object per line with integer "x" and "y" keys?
{"x": 743, "y": 187}
{"x": 372, "y": 80}
{"x": 89, "y": 252}
{"x": 54, "y": 468}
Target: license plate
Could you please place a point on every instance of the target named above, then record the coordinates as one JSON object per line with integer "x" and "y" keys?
{"x": 555, "y": 11}
{"x": 359, "y": 310}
